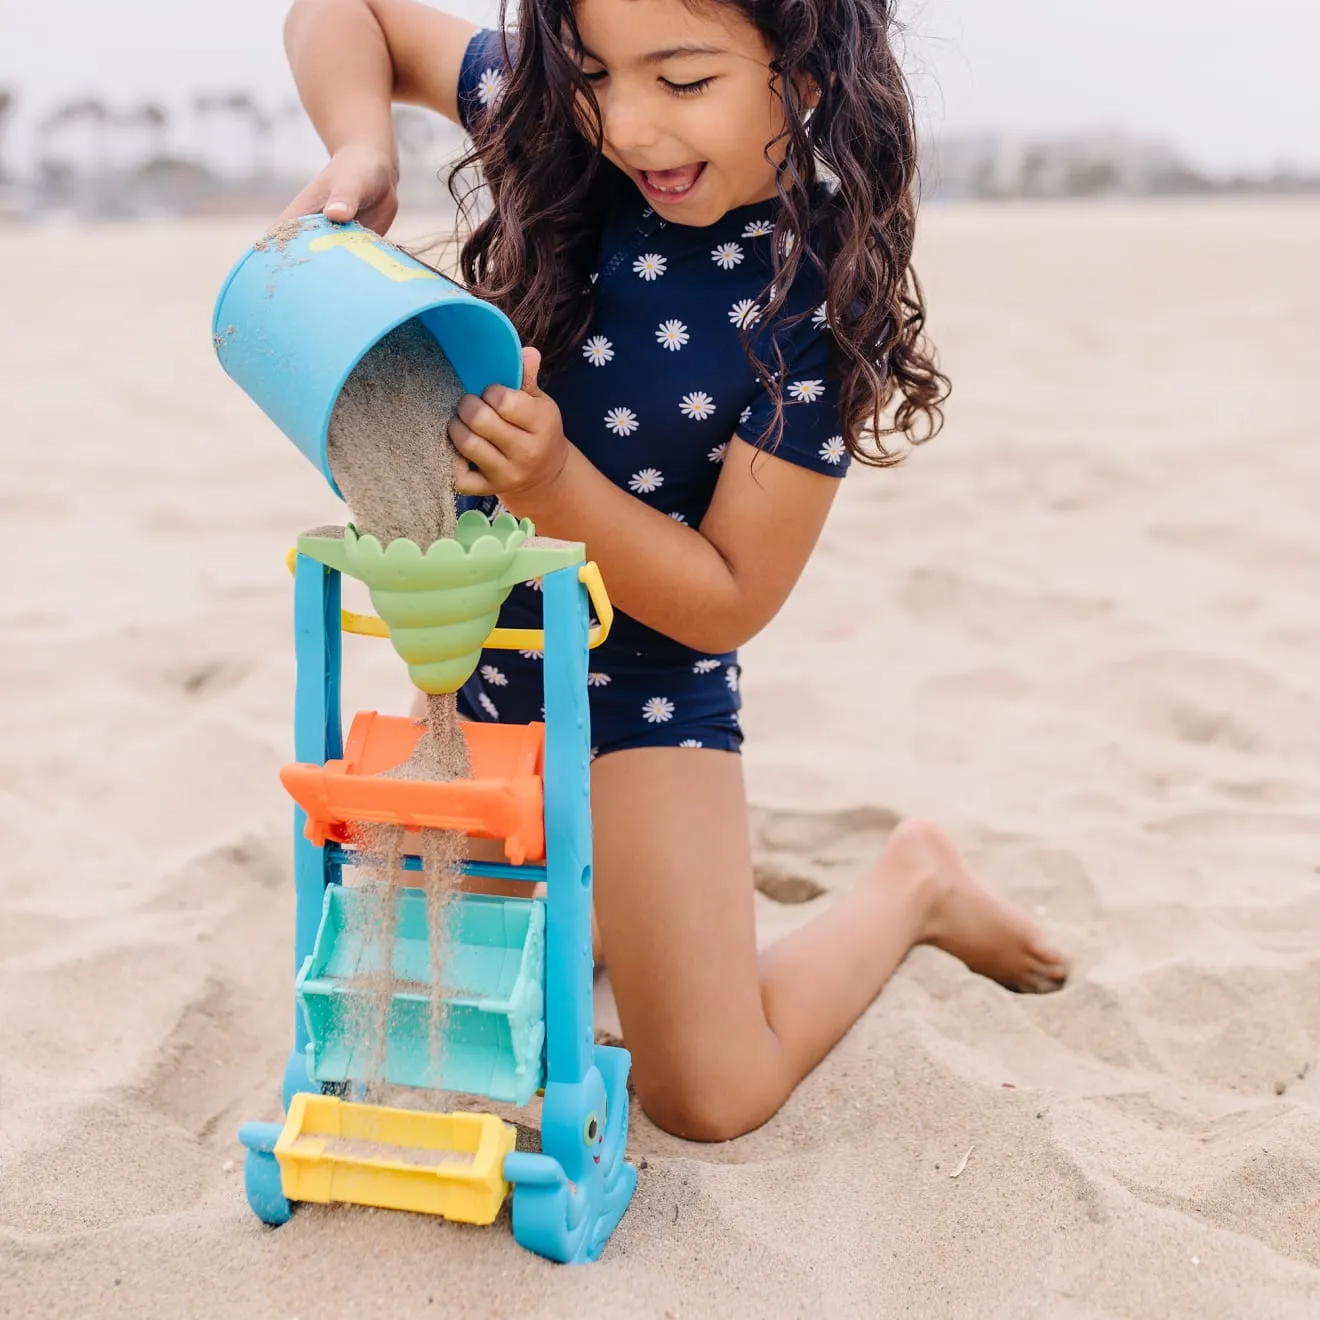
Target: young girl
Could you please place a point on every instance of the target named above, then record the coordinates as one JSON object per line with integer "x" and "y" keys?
{"x": 701, "y": 214}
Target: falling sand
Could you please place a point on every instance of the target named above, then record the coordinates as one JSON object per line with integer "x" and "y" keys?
{"x": 389, "y": 452}
{"x": 388, "y": 441}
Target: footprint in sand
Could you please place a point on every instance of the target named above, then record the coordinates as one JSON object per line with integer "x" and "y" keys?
{"x": 796, "y": 854}
{"x": 1256, "y": 553}
{"x": 784, "y": 886}
{"x": 211, "y": 677}
{"x": 990, "y": 611}
{"x": 1205, "y": 700}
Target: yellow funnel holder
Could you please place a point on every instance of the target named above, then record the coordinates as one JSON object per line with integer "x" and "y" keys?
{"x": 439, "y": 606}
{"x": 395, "y": 1159}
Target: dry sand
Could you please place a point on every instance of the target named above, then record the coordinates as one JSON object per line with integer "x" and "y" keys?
{"x": 388, "y": 449}
{"x": 1081, "y": 628}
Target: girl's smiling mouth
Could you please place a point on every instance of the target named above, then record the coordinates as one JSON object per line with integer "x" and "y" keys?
{"x": 671, "y": 185}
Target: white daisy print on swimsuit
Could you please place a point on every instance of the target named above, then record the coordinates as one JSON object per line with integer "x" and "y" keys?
{"x": 745, "y": 416}
{"x": 650, "y": 266}
{"x": 489, "y": 86}
{"x": 727, "y": 255}
{"x": 622, "y": 421}
{"x": 731, "y": 677}
{"x": 646, "y": 482}
{"x": 717, "y": 454}
{"x": 678, "y": 518}
{"x": 487, "y": 705}
{"x": 758, "y": 229}
{"x": 598, "y": 350}
{"x": 819, "y": 317}
{"x": 807, "y": 391}
{"x": 833, "y": 450}
{"x": 534, "y": 584}
{"x": 598, "y": 680}
{"x": 658, "y": 710}
{"x": 698, "y": 405}
{"x": 671, "y": 335}
{"x": 706, "y": 666}
{"x": 744, "y": 313}
{"x": 491, "y": 675}
{"x": 691, "y": 742}
{"x": 532, "y": 655}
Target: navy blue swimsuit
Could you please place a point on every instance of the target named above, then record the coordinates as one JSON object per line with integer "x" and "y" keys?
{"x": 660, "y": 385}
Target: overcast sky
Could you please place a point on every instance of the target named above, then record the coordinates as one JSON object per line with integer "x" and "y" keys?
{"x": 1229, "y": 83}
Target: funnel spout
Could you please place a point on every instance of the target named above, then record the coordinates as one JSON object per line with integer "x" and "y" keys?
{"x": 327, "y": 550}
{"x": 441, "y": 604}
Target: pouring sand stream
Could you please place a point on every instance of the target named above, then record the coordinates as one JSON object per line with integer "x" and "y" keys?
{"x": 388, "y": 448}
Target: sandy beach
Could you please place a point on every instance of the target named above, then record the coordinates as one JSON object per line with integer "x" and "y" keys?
{"x": 1080, "y": 629}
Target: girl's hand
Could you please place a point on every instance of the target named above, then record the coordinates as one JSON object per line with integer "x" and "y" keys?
{"x": 515, "y": 438}
{"x": 358, "y": 183}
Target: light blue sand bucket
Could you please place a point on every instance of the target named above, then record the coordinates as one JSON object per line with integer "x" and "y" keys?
{"x": 300, "y": 311}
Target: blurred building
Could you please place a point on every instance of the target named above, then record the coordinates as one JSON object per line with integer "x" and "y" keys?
{"x": 1001, "y": 166}
{"x": 226, "y": 152}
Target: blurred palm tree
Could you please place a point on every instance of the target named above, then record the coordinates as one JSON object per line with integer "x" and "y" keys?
{"x": 7, "y": 101}
{"x": 88, "y": 109}
{"x": 243, "y": 108}
{"x": 153, "y": 117}
{"x": 206, "y": 106}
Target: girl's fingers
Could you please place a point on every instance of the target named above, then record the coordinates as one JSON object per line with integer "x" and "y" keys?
{"x": 513, "y": 407}
{"x": 341, "y": 209}
{"x": 475, "y": 448}
{"x": 531, "y": 370}
{"x": 307, "y": 202}
{"x": 478, "y": 416}
{"x": 468, "y": 482}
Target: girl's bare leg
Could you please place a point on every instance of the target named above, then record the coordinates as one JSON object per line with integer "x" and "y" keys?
{"x": 720, "y": 1036}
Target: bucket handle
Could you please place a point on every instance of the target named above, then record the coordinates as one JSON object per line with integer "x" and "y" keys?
{"x": 500, "y": 639}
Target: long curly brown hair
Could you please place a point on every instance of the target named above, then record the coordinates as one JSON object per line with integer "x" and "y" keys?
{"x": 538, "y": 149}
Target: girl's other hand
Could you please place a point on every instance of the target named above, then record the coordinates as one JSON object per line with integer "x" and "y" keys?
{"x": 359, "y": 184}
{"x": 514, "y": 437}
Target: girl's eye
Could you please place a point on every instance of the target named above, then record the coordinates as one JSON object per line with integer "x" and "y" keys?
{"x": 594, "y": 76}
{"x": 686, "y": 89}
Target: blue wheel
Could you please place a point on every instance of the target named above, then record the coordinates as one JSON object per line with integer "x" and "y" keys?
{"x": 261, "y": 1181}
{"x": 261, "y": 1174}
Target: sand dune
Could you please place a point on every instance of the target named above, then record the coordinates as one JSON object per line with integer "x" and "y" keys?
{"x": 1080, "y": 629}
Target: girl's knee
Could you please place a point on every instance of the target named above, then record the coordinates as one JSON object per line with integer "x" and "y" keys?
{"x": 706, "y": 1108}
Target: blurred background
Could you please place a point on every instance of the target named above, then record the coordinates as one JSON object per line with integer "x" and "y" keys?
{"x": 1079, "y": 630}
{"x": 147, "y": 108}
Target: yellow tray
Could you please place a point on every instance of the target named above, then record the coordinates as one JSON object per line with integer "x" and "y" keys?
{"x": 396, "y": 1159}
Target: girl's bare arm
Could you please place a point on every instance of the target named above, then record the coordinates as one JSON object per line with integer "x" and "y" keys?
{"x": 351, "y": 59}
{"x": 711, "y": 588}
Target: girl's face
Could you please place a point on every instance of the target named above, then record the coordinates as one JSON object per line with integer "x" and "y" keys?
{"x": 685, "y": 102}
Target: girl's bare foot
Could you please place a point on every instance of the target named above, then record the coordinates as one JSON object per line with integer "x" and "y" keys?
{"x": 978, "y": 927}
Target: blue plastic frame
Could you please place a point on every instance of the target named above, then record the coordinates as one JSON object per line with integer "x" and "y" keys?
{"x": 568, "y": 1199}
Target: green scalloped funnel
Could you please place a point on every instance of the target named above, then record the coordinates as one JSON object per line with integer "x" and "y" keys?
{"x": 442, "y": 603}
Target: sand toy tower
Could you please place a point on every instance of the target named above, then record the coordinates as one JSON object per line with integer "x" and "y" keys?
{"x": 516, "y": 976}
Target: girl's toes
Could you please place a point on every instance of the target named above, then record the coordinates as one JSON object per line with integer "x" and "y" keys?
{"x": 1048, "y": 975}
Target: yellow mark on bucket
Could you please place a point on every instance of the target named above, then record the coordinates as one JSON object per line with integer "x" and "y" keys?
{"x": 375, "y": 254}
